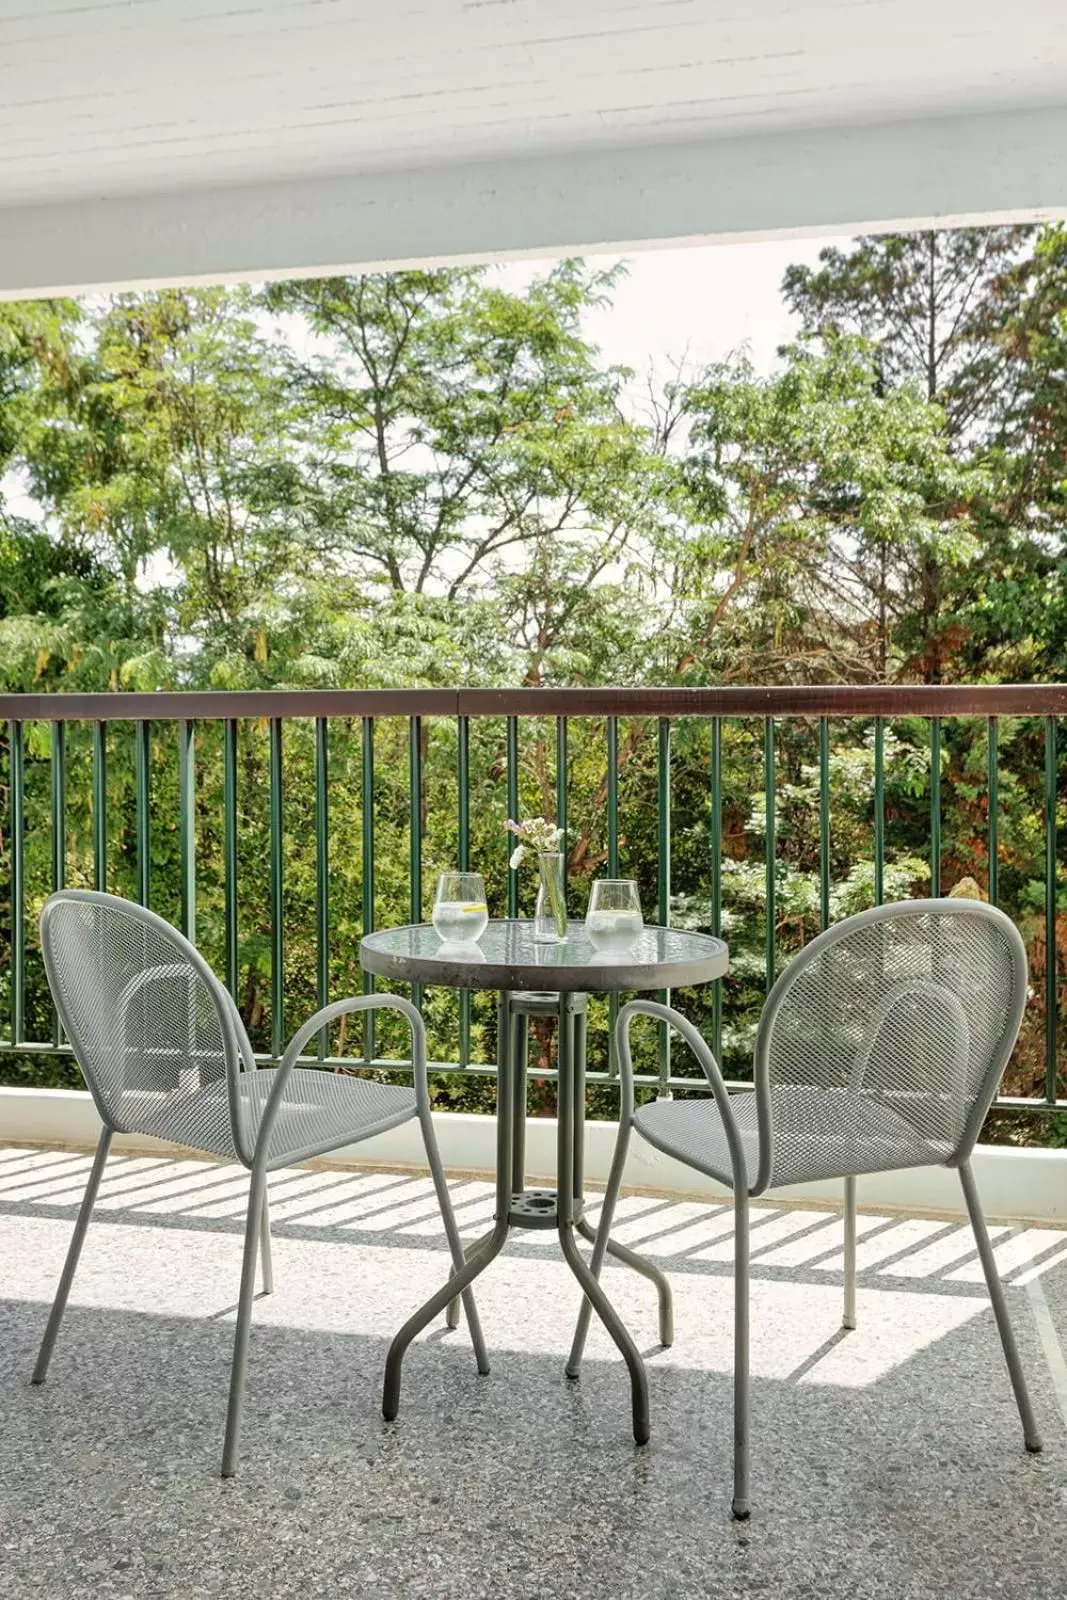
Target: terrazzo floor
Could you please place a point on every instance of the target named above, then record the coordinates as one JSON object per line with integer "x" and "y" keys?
{"x": 887, "y": 1462}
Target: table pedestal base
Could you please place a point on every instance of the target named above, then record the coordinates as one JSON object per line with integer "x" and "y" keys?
{"x": 536, "y": 1208}
{"x": 562, "y": 1209}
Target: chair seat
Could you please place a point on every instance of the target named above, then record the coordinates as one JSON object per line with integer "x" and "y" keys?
{"x": 818, "y": 1133}
{"x": 321, "y": 1111}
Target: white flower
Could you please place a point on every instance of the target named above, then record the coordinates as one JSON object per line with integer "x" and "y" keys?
{"x": 537, "y": 834}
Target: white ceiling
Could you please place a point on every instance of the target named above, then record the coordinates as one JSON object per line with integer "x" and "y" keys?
{"x": 106, "y": 98}
{"x": 151, "y": 141}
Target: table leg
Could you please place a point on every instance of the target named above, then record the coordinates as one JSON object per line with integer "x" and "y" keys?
{"x": 636, "y": 1263}
{"x": 569, "y": 1137}
{"x": 486, "y": 1249}
{"x": 520, "y": 1045}
{"x": 629, "y": 1258}
{"x": 578, "y": 1032}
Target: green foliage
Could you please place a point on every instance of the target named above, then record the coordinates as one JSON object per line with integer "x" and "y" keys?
{"x": 424, "y": 479}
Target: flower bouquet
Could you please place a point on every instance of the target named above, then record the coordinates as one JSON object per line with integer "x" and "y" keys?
{"x": 543, "y": 838}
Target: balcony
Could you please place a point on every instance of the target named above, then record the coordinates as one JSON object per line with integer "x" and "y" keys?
{"x": 275, "y": 829}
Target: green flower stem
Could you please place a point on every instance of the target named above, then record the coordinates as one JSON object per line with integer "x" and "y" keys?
{"x": 551, "y": 868}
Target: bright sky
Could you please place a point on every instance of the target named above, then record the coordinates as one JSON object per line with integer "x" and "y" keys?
{"x": 702, "y": 303}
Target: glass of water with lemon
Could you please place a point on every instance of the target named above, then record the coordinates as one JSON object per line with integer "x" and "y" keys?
{"x": 460, "y": 911}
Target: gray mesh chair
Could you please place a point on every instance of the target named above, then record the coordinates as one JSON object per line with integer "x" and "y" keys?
{"x": 881, "y": 1046}
{"x": 164, "y": 1052}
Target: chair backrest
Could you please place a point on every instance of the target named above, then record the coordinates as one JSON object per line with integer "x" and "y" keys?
{"x": 158, "y": 1038}
{"x": 907, "y": 1014}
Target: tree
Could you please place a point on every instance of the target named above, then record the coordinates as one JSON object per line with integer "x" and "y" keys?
{"x": 934, "y": 305}
{"x": 1020, "y": 598}
{"x": 973, "y": 317}
{"x": 816, "y": 506}
{"x": 465, "y": 426}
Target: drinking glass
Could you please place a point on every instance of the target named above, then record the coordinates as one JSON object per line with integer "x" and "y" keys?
{"x": 613, "y": 921}
{"x": 460, "y": 911}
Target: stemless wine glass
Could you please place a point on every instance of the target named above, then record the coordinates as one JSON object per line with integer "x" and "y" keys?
{"x": 460, "y": 911}
{"x": 613, "y": 921}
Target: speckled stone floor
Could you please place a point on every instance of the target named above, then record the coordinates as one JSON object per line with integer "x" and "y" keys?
{"x": 886, "y": 1463}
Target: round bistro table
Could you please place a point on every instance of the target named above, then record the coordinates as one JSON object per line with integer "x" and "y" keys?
{"x": 508, "y": 959}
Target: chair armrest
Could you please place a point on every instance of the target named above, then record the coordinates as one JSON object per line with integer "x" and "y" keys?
{"x": 321, "y": 1019}
{"x": 711, "y": 1069}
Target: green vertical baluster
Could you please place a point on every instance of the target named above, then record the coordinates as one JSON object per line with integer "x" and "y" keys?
{"x": 59, "y": 828}
{"x": 613, "y": 796}
{"x": 561, "y": 791}
{"x": 716, "y": 876}
{"x": 277, "y": 893}
{"x": 993, "y": 785}
{"x": 879, "y": 811}
{"x": 367, "y": 819}
{"x": 463, "y": 779}
{"x": 59, "y": 805}
{"x": 463, "y": 783}
{"x": 561, "y": 802}
{"x": 187, "y": 838}
{"x": 770, "y": 948}
{"x": 187, "y": 826}
{"x": 824, "y": 822}
{"x": 229, "y": 849}
{"x": 142, "y": 760}
{"x": 513, "y": 809}
{"x": 415, "y": 857}
{"x": 16, "y": 748}
{"x": 613, "y": 865}
{"x": 322, "y": 872}
{"x": 1050, "y": 909}
{"x": 663, "y": 876}
{"x": 935, "y": 806}
{"x": 100, "y": 806}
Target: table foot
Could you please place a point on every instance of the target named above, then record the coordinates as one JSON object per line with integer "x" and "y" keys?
{"x": 615, "y": 1326}
{"x": 477, "y": 1261}
{"x": 637, "y": 1263}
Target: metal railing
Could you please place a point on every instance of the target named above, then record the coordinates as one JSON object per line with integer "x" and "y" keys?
{"x": 191, "y": 715}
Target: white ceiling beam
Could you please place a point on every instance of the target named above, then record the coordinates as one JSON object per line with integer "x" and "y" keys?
{"x": 1000, "y": 165}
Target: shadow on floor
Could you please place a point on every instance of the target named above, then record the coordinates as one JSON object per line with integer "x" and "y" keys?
{"x": 517, "y": 1484}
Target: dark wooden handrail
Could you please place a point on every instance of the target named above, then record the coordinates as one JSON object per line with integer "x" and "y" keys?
{"x": 836, "y": 700}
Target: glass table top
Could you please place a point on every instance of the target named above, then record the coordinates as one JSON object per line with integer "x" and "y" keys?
{"x": 507, "y": 957}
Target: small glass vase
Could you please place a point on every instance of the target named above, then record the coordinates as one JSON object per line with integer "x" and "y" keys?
{"x": 550, "y": 914}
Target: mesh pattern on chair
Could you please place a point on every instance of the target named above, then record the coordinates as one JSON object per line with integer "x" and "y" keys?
{"x": 692, "y": 1130}
{"x": 147, "y": 1029}
{"x": 143, "y": 1021}
{"x": 875, "y": 1050}
{"x": 882, "y": 1042}
{"x": 321, "y": 1110}
{"x": 831, "y": 1133}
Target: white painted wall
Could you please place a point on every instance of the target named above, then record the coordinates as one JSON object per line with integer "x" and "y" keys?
{"x": 1013, "y": 1183}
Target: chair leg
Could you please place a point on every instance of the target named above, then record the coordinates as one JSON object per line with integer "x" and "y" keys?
{"x": 74, "y": 1250}
{"x": 253, "y": 1235}
{"x": 848, "y": 1320}
{"x": 455, "y": 1244}
{"x": 266, "y": 1262}
{"x": 741, "y": 1507}
{"x": 1000, "y": 1309}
